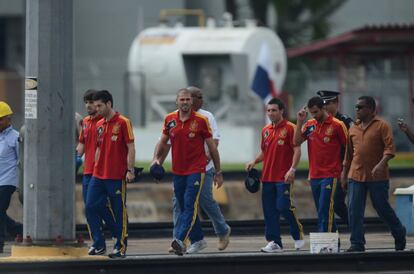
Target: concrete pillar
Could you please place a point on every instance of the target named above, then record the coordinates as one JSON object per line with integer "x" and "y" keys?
{"x": 49, "y": 119}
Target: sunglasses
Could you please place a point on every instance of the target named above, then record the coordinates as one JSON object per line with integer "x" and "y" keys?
{"x": 359, "y": 107}
{"x": 199, "y": 97}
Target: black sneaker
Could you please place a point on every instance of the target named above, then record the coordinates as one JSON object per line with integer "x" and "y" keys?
{"x": 178, "y": 246}
{"x": 116, "y": 253}
{"x": 400, "y": 244}
{"x": 355, "y": 248}
{"x": 96, "y": 251}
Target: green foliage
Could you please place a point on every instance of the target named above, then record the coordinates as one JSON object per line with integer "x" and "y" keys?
{"x": 298, "y": 21}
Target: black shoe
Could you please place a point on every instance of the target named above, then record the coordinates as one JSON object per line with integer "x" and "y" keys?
{"x": 116, "y": 253}
{"x": 96, "y": 251}
{"x": 178, "y": 246}
{"x": 400, "y": 244}
{"x": 355, "y": 248}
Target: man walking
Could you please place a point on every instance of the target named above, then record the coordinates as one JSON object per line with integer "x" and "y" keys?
{"x": 370, "y": 147}
{"x": 187, "y": 131}
{"x": 280, "y": 158}
{"x": 325, "y": 135}
{"x": 114, "y": 166}
{"x": 207, "y": 202}
{"x": 331, "y": 101}
{"x": 9, "y": 152}
{"x": 87, "y": 145}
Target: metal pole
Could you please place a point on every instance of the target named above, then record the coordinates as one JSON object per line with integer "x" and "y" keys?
{"x": 49, "y": 118}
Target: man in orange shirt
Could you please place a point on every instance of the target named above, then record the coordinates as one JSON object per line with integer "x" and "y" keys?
{"x": 114, "y": 165}
{"x": 325, "y": 135}
{"x": 87, "y": 145}
{"x": 187, "y": 131}
{"x": 369, "y": 149}
{"x": 280, "y": 159}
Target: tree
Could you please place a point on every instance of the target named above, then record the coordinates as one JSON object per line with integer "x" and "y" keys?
{"x": 298, "y": 21}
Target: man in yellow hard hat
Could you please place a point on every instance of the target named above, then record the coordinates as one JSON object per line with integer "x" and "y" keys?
{"x": 9, "y": 151}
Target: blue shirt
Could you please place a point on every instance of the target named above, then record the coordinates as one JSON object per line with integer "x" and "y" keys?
{"x": 9, "y": 159}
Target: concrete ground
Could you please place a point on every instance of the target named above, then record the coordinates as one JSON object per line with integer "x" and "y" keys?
{"x": 245, "y": 244}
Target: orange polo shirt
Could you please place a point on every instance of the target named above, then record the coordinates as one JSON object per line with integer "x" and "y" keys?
{"x": 277, "y": 147}
{"x": 324, "y": 147}
{"x": 187, "y": 142}
{"x": 88, "y": 137}
{"x": 113, "y": 137}
{"x": 365, "y": 149}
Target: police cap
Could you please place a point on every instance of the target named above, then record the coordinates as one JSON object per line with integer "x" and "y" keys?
{"x": 328, "y": 95}
{"x": 252, "y": 181}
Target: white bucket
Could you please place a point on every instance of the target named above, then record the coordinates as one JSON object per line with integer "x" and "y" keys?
{"x": 324, "y": 242}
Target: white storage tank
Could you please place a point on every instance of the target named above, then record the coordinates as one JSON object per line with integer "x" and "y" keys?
{"x": 222, "y": 61}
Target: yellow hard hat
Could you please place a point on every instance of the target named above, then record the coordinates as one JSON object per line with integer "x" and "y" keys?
{"x": 5, "y": 109}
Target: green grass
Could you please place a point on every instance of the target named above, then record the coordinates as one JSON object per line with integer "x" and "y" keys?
{"x": 401, "y": 163}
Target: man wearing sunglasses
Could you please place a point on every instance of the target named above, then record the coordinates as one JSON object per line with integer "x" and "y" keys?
{"x": 370, "y": 147}
{"x": 331, "y": 101}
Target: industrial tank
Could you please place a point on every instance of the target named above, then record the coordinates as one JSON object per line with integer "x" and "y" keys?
{"x": 220, "y": 60}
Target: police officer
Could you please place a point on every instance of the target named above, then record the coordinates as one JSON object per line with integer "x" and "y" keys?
{"x": 332, "y": 105}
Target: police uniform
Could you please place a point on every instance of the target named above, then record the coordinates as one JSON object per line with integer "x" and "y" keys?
{"x": 340, "y": 207}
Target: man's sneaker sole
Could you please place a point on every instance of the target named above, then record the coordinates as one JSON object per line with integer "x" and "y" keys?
{"x": 178, "y": 250}
{"x": 272, "y": 251}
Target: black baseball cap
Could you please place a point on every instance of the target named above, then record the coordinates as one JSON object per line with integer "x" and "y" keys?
{"x": 157, "y": 172}
{"x": 252, "y": 181}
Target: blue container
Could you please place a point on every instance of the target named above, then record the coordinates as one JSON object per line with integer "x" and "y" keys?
{"x": 404, "y": 211}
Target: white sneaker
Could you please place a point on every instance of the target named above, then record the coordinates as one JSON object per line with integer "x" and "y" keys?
{"x": 272, "y": 247}
{"x": 96, "y": 251}
{"x": 299, "y": 244}
{"x": 197, "y": 247}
